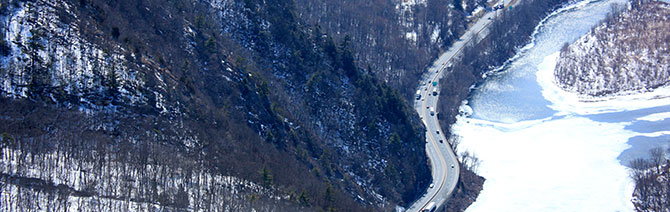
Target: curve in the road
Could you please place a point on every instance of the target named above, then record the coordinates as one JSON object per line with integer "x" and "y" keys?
{"x": 482, "y": 24}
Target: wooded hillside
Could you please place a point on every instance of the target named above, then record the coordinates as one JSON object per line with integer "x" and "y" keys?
{"x": 628, "y": 52}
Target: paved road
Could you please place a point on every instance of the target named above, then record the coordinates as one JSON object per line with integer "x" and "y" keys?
{"x": 443, "y": 161}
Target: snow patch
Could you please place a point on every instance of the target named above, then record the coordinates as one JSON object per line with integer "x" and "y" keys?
{"x": 406, "y": 5}
{"x": 411, "y": 36}
{"x": 435, "y": 35}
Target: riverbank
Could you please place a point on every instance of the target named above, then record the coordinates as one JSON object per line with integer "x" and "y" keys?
{"x": 493, "y": 50}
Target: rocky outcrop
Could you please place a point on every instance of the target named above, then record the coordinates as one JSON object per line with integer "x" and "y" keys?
{"x": 628, "y": 52}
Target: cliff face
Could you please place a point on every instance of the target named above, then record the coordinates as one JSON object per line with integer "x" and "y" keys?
{"x": 212, "y": 105}
{"x": 629, "y": 52}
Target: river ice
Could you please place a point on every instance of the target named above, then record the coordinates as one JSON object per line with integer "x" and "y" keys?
{"x": 543, "y": 149}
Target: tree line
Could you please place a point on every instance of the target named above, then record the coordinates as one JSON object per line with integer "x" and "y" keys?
{"x": 652, "y": 181}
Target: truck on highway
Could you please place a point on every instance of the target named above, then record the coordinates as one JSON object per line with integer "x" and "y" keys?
{"x": 429, "y": 208}
{"x": 418, "y": 94}
{"x": 434, "y": 91}
{"x": 432, "y": 111}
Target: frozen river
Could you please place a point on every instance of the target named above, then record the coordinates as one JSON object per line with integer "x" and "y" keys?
{"x": 542, "y": 149}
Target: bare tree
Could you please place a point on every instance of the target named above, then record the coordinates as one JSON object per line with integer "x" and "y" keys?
{"x": 454, "y": 141}
{"x": 657, "y": 157}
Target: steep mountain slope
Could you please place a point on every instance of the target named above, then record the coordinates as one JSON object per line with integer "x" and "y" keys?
{"x": 212, "y": 105}
{"x": 629, "y": 52}
{"x": 397, "y": 39}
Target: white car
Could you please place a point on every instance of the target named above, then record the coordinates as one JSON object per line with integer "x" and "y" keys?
{"x": 431, "y": 185}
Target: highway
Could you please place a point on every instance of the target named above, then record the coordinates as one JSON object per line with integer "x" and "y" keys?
{"x": 443, "y": 160}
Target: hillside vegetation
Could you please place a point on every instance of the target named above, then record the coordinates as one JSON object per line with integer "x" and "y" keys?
{"x": 628, "y": 52}
{"x": 396, "y": 39}
{"x": 652, "y": 181}
{"x": 195, "y": 105}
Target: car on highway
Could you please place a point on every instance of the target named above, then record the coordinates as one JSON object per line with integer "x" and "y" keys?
{"x": 430, "y": 207}
{"x": 452, "y": 166}
{"x": 438, "y": 132}
{"x": 441, "y": 140}
{"x": 432, "y": 185}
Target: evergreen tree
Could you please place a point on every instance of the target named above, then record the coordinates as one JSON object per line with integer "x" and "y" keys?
{"x": 38, "y": 76}
{"x": 347, "y": 58}
{"x": 267, "y": 177}
{"x": 458, "y": 4}
{"x": 112, "y": 85}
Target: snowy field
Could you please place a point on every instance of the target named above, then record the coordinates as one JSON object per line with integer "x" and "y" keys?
{"x": 565, "y": 155}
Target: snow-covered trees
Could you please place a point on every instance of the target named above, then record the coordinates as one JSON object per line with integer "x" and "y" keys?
{"x": 628, "y": 52}
{"x": 652, "y": 181}
{"x": 69, "y": 166}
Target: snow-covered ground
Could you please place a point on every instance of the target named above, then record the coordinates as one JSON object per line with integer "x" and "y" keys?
{"x": 117, "y": 186}
{"x": 551, "y": 166}
{"x": 543, "y": 149}
{"x": 76, "y": 66}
